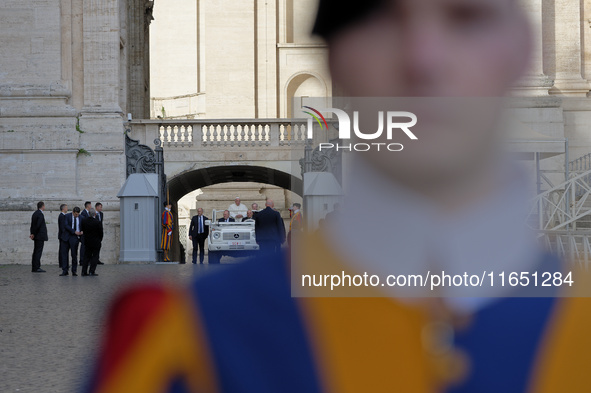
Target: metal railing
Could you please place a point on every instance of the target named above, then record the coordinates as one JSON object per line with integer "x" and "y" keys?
{"x": 573, "y": 246}
{"x": 580, "y": 165}
{"x": 226, "y": 133}
{"x": 560, "y": 207}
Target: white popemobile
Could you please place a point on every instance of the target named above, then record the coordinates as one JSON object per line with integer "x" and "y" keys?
{"x": 235, "y": 239}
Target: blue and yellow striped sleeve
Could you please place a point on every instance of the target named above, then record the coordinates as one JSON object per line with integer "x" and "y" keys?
{"x": 154, "y": 343}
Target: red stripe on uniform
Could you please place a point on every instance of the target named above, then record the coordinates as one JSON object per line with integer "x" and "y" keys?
{"x": 135, "y": 309}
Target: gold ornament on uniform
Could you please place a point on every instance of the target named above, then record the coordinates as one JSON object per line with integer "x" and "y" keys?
{"x": 450, "y": 365}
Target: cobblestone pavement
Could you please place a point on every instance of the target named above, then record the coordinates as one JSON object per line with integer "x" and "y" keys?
{"x": 50, "y": 325}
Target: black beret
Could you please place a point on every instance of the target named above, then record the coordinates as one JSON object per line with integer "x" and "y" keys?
{"x": 334, "y": 15}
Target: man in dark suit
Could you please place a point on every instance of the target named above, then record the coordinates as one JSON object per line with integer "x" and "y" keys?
{"x": 62, "y": 236}
{"x": 93, "y": 236}
{"x": 38, "y": 236}
{"x": 73, "y": 233}
{"x": 226, "y": 217}
{"x": 84, "y": 214}
{"x": 198, "y": 232}
{"x": 269, "y": 228}
{"x": 99, "y": 216}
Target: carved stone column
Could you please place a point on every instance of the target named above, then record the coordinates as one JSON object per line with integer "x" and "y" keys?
{"x": 569, "y": 71}
{"x": 101, "y": 56}
{"x": 265, "y": 59}
{"x": 535, "y": 82}
{"x": 139, "y": 16}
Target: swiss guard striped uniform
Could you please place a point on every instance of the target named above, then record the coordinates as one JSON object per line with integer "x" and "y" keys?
{"x": 167, "y": 227}
{"x": 239, "y": 330}
{"x": 295, "y": 225}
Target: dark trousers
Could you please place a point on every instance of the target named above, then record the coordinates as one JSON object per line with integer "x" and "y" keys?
{"x": 199, "y": 244}
{"x": 37, "y": 251}
{"x": 73, "y": 248}
{"x": 90, "y": 260}
{"x": 269, "y": 246}
{"x": 63, "y": 254}
{"x": 82, "y": 249}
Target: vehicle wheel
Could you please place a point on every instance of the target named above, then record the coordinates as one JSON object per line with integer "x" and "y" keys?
{"x": 214, "y": 257}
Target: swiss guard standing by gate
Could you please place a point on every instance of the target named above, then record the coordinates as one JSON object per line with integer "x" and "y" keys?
{"x": 167, "y": 226}
{"x": 295, "y": 224}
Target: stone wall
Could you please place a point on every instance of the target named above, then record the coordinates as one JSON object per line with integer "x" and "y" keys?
{"x": 61, "y": 131}
{"x": 247, "y": 64}
{"x": 18, "y": 248}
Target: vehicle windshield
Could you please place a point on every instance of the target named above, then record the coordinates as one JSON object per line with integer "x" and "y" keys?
{"x": 217, "y": 214}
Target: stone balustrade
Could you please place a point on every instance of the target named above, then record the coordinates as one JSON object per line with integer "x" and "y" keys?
{"x": 195, "y": 133}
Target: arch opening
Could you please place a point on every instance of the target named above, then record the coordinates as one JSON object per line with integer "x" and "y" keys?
{"x": 189, "y": 181}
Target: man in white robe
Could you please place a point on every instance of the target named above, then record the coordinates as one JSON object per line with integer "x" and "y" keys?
{"x": 237, "y": 210}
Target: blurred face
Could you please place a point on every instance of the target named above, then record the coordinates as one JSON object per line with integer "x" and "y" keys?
{"x": 75, "y": 214}
{"x": 433, "y": 48}
{"x": 255, "y": 206}
{"x": 200, "y": 212}
{"x": 99, "y": 208}
{"x": 249, "y": 214}
{"x": 65, "y": 209}
{"x": 237, "y": 201}
{"x": 226, "y": 214}
{"x": 436, "y": 48}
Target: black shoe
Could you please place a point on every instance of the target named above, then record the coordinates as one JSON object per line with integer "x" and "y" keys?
{"x": 74, "y": 274}
{"x": 99, "y": 263}
{"x": 93, "y": 274}
{"x": 64, "y": 274}
{"x": 84, "y": 274}
{"x": 39, "y": 271}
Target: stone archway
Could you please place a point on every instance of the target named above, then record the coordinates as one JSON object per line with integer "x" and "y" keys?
{"x": 185, "y": 182}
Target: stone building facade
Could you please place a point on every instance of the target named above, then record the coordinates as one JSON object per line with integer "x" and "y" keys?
{"x": 234, "y": 58}
{"x": 70, "y": 71}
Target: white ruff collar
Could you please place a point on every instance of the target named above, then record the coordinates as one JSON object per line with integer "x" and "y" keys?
{"x": 388, "y": 229}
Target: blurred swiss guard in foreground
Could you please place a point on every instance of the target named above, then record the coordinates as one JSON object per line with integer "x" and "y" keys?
{"x": 167, "y": 227}
{"x": 453, "y": 204}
